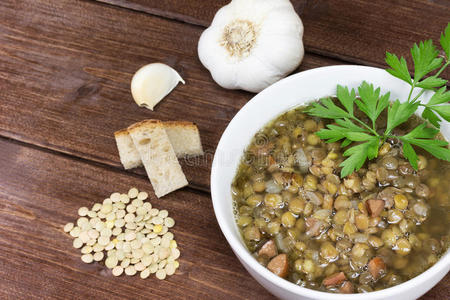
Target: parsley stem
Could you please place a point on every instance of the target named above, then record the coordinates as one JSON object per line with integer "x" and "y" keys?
{"x": 418, "y": 95}
{"x": 410, "y": 92}
{"x": 367, "y": 126}
{"x": 436, "y": 75}
{"x": 442, "y": 69}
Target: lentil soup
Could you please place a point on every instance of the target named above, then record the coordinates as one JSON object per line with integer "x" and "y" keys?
{"x": 380, "y": 226}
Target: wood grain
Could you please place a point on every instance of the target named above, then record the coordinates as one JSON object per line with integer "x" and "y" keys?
{"x": 356, "y": 31}
{"x": 65, "y": 71}
{"x": 65, "y": 68}
{"x": 41, "y": 191}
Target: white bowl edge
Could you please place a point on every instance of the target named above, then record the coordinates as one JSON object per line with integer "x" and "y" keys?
{"x": 293, "y": 91}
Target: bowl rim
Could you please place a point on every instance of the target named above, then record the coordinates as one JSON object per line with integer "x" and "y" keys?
{"x": 443, "y": 264}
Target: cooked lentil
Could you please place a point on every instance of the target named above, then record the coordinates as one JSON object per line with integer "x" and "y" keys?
{"x": 380, "y": 226}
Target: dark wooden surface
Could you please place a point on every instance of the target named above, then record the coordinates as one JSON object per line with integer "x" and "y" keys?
{"x": 358, "y": 31}
{"x": 41, "y": 191}
{"x": 65, "y": 78}
{"x": 65, "y": 68}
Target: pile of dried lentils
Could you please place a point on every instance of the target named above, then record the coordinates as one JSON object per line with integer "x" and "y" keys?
{"x": 129, "y": 234}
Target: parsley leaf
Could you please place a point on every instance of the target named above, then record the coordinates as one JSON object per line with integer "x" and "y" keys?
{"x": 327, "y": 109}
{"x": 357, "y": 136}
{"x": 399, "y": 113}
{"x": 346, "y": 97}
{"x": 364, "y": 140}
{"x": 431, "y": 82}
{"x": 349, "y": 125}
{"x": 335, "y": 133}
{"x": 425, "y": 59}
{"x": 436, "y": 147}
{"x": 445, "y": 41}
{"x": 371, "y": 103}
{"x": 345, "y": 143}
{"x": 332, "y": 134}
{"x": 348, "y": 128}
{"x": 429, "y": 115}
{"x": 410, "y": 154}
{"x": 422, "y": 137}
{"x": 399, "y": 68}
{"x": 441, "y": 96}
{"x": 421, "y": 131}
{"x": 357, "y": 156}
{"x": 438, "y": 105}
{"x": 443, "y": 111}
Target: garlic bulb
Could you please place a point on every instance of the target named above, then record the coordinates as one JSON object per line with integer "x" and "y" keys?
{"x": 252, "y": 44}
{"x": 151, "y": 83}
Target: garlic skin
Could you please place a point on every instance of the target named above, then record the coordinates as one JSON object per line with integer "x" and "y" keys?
{"x": 252, "y": 44}
{"x": 153, "y": 82}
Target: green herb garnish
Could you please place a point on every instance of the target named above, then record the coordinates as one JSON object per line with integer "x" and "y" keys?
{"x": 350, "y": 129}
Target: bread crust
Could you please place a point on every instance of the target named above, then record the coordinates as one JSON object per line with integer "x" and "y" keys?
{"x": 153, "y": 122}
{"x": 150, "y": 123}
{"x": 121, "y": 132}
{"x": 183, "y": 130}
{"x": 158, "y": 156}
{"x": 185, "y": 124}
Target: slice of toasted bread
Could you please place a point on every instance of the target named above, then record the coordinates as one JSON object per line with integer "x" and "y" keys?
{"x": 158, "y": 156}
{"x": 129, "y": 156}
{"x": 184, "y": 137}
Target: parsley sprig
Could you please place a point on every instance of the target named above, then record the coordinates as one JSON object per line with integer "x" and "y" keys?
{"x": 349, "y": 129}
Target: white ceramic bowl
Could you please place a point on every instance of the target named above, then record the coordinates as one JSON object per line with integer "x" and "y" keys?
{"x": 290, "y": 92}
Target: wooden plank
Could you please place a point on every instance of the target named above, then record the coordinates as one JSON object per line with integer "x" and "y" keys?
{"x": 65, "y": 69}
{"x": 440, "y": 291}
{"x": 357, "y": 31}
{"x": 41, "y": 191}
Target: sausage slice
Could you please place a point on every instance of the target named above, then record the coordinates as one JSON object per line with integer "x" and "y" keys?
{"x": 375, "y": 207}
{"x": 334, "y": 279}
{"x": 377, "y": 267}
{"x": 269, "y": 249}
{"x": 279, "y": 265}
{"x": 346, "y": 288}
{"x": 313, "y": 226}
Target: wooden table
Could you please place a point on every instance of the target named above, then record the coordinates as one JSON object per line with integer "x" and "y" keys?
{"x": 65, "y": 69}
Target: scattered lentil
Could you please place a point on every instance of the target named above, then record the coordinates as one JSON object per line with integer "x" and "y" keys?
{"x": 131, "y": 237}
{"x": 117, "y": 271}
{"x": 68, "y": 227}
{"x": 83, "y": 211}
{"x": 87, "y": 258}
{"x": 130, "y": 270}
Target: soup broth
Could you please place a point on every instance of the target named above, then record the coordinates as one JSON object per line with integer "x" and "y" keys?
{"x": 374, "y": 229}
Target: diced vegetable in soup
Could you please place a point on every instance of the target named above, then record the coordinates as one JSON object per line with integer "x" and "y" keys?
{"x": 378, "y": 227}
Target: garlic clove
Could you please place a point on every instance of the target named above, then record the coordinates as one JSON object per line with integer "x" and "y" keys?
{"x": 153, "y": 82}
